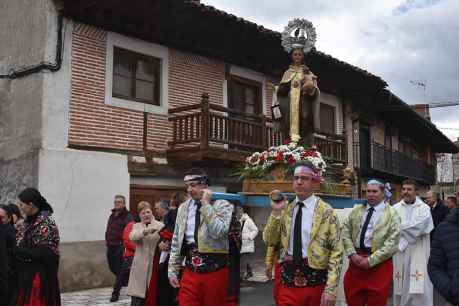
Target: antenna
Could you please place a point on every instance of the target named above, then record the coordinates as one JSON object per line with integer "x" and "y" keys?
{"x": 420, "y": 84}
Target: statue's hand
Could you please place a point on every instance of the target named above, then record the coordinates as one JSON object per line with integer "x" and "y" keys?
{"x": 308, "y": 88}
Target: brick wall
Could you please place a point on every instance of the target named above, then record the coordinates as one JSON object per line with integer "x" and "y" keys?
{"x": 191, "y": 75}
{"x": 95, "y": 124}
{"x": 92, "y": 123}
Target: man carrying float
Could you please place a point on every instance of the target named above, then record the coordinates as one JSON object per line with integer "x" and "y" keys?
{"x": 307, "y": 231}
{"x": 201, "y": 238}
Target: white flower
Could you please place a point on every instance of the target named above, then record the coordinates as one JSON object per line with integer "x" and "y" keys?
{"x": 283, "y": 148}
{"x": 296, "y": 138}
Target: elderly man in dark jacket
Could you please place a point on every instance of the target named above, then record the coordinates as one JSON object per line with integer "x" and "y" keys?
{"x": 118, "y": 220}
{"x": 444, "y": 258}
{"x": 437, "y": 208}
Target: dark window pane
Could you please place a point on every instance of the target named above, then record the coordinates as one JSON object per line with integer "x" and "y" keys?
{"x": 250, "y": 100}
{"x": 237, "y": 97}
{"x": 250, "y": 109}
{"x": 145, "y": 70}
{"x": 144, "y": 90}
{"x": 327, "y": 119}
{"x": 136, "y": 76}
{"x": 122, "y": 86}
{"x": 122, "y": 63}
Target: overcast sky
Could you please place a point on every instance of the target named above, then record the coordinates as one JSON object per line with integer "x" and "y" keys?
{"x": 403, "y": 41}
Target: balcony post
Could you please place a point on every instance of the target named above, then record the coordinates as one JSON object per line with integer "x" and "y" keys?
{"x": 205, "y": 115}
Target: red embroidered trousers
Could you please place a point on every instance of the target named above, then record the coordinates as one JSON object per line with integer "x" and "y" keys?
{"x": 300, "y": 296}
{"x": 204, "y": 289}
{"x": 277, "y": 282}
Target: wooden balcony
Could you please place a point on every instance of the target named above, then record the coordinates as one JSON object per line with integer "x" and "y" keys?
{"x": 384, "y": 160}
{"x": 207, "y": 131}
{"x": 332, "y": 147}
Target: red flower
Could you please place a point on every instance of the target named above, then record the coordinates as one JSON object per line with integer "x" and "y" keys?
{"x": 44, "y": 231}
{"x": 287, "y": 141}
{"x": 279, "y": 157}
{"x": 290, "y": 160}
{"x": 196, "y": 261}
{"x": 310, "y": 153}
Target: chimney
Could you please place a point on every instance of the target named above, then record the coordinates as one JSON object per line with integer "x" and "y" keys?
{"x": 423, "y": 110}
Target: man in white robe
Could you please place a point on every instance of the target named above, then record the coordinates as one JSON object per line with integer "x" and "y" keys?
{"x": 412, "y": 285}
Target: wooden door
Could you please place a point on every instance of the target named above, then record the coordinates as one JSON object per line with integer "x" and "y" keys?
{"x": 245, "y": 100}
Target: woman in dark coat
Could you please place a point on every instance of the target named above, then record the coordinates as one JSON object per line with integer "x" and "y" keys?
{"x": 37, "y": 253}
{"x": 7, "y": 250}
{"x": 168, "y": 295}
{"x": 5, "y": 265}
{"x": 444, "y": 258}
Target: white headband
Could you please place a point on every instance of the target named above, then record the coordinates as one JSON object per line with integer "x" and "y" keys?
{"x": 192, "y": 177}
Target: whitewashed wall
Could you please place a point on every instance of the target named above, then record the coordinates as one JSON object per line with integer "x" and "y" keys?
{"x": 80, "y": 185}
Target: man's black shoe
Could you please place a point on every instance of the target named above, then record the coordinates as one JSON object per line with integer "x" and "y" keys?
{"x": 115, "y": 297}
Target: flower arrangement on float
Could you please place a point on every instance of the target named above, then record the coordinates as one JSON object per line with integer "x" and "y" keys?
{"x": 285, "y": 158}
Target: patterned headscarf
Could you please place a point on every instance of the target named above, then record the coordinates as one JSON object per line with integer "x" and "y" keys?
{"x": 386, "y": 187}
{"x": 309, "y": 169}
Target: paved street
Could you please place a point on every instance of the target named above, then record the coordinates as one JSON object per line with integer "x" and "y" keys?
{"x": 252, "y": 294}
{"x": 257, "y": 294}
{"x": 94, "y": 297}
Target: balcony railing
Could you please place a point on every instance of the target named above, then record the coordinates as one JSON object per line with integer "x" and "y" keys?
{"x": 209, "y": 125}
{"x": 332, "y": 147}
{"x": 206, "y": 126}
{"x": 382, "y": 159}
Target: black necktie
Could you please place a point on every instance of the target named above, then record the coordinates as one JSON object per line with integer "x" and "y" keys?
{"x": 197, "y": 221}
{"x": 365, "y": 227}
{"x": 297, "y": 242}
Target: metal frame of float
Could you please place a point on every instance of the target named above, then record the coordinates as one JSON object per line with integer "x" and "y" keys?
{"x": 262, "y": 199}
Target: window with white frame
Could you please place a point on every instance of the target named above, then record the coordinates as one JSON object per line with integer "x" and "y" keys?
{"x": 136, "y": 74}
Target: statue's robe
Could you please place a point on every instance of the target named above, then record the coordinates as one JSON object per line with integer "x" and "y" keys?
{"x": 300, "y": 112}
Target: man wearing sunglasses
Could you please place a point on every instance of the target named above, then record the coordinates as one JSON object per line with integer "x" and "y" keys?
{"x": 310, "y": 255}
{"x": 201, "y": 238}
{"x": 371, "y": 235}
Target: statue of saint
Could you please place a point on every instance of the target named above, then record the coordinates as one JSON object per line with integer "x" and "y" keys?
{"x": 297, "y": 93}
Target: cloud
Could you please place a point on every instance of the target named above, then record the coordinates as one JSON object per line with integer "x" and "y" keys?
{"x": 403, "y": 41}
{"x": 413, "y": 4}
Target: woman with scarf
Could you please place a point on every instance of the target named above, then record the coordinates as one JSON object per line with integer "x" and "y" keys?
{"x": 143, "y": 279}
{"x": 168, "y": 296}
{"x": 37, "y": 253}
